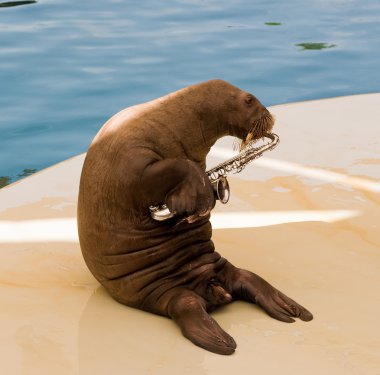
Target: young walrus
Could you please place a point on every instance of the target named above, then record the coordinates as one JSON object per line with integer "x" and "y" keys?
{"x": 151, "y": 154}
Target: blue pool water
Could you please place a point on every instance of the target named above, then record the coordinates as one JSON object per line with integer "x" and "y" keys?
{"x": 66, "y": 66}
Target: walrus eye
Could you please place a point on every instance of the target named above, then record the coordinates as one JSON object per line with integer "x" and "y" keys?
{"x": 249, "y": 100}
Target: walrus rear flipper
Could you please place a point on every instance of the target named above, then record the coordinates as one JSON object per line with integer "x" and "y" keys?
{"x": 248, "y": 286}
{"x": 188, "y": 310}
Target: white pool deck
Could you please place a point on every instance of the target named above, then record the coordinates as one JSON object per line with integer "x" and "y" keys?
{"x": 306, "y": 217}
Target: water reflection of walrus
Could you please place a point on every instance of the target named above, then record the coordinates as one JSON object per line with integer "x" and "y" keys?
{"x": 155, "y": 153}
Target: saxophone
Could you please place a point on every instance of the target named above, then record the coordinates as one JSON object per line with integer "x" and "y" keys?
{"x": 218, "y": 174}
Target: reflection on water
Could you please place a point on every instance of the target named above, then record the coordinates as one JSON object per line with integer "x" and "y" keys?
{"x": 314, "y": 46}
{"x": 273, "y": 23}
{"x": 27, "y": 172}
{"x": 4, "y": 181}
{"x": 16, "y": 3}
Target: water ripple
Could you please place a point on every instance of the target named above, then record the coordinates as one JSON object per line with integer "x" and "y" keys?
{"x": 70, "y": 65}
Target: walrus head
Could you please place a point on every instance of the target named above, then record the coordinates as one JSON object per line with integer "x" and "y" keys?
{"x": 261, "y": 123}
{"x": 251, "y": 120}
{"x": 228, "y": 110}
{"x": 198, "y": 115}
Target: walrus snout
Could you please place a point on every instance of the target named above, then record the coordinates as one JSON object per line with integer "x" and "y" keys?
{"x": 261, "y": 126}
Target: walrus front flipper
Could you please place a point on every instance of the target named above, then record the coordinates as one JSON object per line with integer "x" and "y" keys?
{"x": 182, "y": 185}
{"x": 188, "y": 310}
{"x": 250, "y": 287}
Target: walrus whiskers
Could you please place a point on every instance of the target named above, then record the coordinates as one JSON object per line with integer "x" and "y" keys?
{"x": 260, "y": 127}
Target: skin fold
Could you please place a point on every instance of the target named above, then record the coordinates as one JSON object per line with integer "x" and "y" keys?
{"x": 155, "y": 153}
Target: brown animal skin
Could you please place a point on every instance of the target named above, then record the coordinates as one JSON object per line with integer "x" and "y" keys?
{"x": 154, "y": 153}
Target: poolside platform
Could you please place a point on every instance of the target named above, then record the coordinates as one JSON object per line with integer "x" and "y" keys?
{"x": 305, "y": 216}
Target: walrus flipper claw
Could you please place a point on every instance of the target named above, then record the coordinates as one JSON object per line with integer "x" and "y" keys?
{"x": 188, "y": 311}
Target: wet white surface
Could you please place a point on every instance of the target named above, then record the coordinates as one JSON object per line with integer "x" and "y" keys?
{"x": 306, "y": 217}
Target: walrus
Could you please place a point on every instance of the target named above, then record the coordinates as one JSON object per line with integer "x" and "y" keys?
{"x": 154, "y": 153}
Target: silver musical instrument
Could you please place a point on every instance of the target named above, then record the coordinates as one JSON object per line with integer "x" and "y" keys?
{"x": 218, "y": 174}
